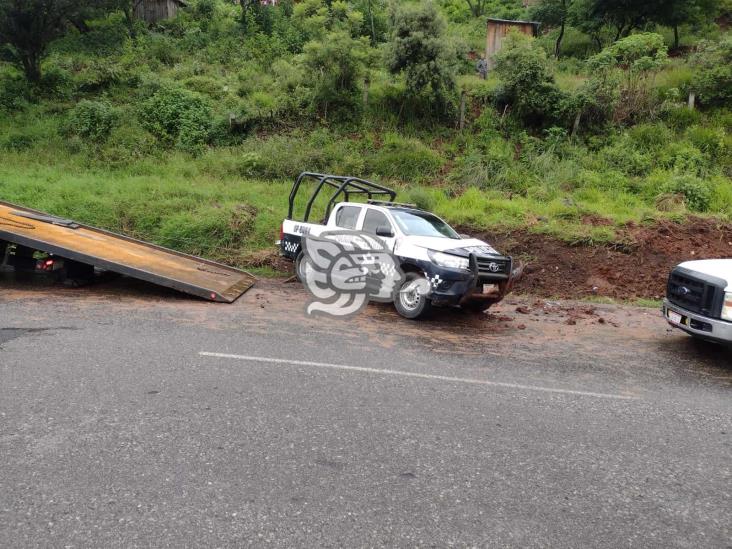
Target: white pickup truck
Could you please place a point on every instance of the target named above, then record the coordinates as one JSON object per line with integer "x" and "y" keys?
{"x": 699, "y": 299}
{"x": 459, "y": 270}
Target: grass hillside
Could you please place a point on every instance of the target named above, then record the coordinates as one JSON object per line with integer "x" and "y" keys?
{"x": 189, "y": 133}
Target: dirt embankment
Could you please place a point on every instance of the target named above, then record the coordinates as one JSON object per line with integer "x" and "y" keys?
{"x": 638, "y": 268}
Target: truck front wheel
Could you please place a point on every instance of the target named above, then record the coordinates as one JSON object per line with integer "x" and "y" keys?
{"x": 411, "y": 301}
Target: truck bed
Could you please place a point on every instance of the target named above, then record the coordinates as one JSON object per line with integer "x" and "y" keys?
{"x": 123, "y": 255}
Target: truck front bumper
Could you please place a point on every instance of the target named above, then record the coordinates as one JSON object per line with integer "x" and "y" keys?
{"x": 695, "y": 324}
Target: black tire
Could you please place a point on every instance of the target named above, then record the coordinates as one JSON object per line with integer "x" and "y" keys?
{"x": 299, "y": 266}
{"x": 409, "y": 302}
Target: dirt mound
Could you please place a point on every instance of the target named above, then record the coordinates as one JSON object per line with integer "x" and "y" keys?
{"x": 637, "y": 268}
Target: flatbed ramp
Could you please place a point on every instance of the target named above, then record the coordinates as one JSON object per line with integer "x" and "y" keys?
{"x": 121, "y": 254}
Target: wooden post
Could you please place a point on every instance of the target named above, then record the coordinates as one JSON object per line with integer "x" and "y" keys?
{"x": 692, "y": 100}
{"x": 576, "y": 124}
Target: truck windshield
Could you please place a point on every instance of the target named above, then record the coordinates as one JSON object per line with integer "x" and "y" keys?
{"x": 423, "y": 224}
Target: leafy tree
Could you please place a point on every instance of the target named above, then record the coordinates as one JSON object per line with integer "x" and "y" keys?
{"x": 527, "y": 82}
{"x": 419, "y": 49}
{"x": 477, "y": 7}
{"x": 553, "y": 13}
{"x": 674, "y": 13}
{"x": 334, "y": 69}
{"x": 27, "y": 27}
{"x": 127, "y": 7}
{"x": 622, "y": 16}
{"x": 337, "y": 56}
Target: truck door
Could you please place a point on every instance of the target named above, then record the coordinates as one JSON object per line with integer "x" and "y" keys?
{"x": 377, "y": 223}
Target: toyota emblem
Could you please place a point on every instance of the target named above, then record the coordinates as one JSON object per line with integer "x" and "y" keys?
{"x": 494, "y": 267}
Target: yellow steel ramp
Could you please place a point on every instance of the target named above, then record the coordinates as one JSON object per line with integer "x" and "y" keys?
{"x": 123, "y": 255}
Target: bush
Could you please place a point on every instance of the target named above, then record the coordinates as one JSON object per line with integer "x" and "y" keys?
{"x": 680, "y": 118}
{"x": 684, "y": 159}
{"x": 177, "y": 116}
{"x": 650, "y": 137}
{"x": 527, "y": 83}
{"x": 18, "y": 142}
{"x": 162, "y": 49}
{"x": 711, "y": 141}
{"x": 15, "y": 93}
{"x": 92, "y": 120}
{"x": 285, "y": 156}
{"x": 696, "y": 192}
{"x": 625, "y": 156}
{"x": 127, "y": 144}
{"x": 405, "y": 159}
{"x": 484, "y": 169}
{"x": 714, "y": 77}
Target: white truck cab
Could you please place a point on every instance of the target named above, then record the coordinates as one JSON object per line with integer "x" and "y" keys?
{"x": 699, "y": 299}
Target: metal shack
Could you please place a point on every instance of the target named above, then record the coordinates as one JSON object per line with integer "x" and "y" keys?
{"x": 152, "y": 11}
{"x": 498, "y": 29}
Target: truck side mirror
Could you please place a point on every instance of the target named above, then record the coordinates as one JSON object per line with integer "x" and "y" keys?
{"x": 385, "y": 231}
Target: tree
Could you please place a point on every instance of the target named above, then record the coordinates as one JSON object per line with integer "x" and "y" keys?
{"x": 29, "y": 26}
{"x": 419, "y": 49}
{"x": 553, "y": 13}
{"x": 336, "y": 57}
{"x": 674, "y": 13}
{"x": 477, "y": 7}
{"x": 127, "y": 7}
{"x": 622, "y": 16}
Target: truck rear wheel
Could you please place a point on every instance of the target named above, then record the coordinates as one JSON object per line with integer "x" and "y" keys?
{"x": 300, "y": 265}
{"x": 411, "y": 302}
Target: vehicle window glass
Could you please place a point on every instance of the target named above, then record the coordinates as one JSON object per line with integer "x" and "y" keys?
{"x": 346, "y": 217}
{"x": 373, "y": 220}
{"x": 423, "y": 224}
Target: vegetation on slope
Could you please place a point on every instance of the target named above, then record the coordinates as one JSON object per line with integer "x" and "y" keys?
{"x": 190, "y": 132}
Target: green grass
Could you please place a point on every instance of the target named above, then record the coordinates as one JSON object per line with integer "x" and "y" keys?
{"x": 226, "y": 199}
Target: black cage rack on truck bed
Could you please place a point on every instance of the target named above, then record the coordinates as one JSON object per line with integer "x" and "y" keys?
{"x": 344, "y": 186}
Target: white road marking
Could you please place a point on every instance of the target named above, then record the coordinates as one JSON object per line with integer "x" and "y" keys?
{"x": 417, "y": 375}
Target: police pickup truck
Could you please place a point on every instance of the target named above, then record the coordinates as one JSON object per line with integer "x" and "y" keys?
{"x": 458, "y": 270}
{"x": 699, "y": 299}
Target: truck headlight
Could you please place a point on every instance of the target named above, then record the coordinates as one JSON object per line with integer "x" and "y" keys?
{"x": 727, "y": 307}
{"x": 449, "y": 261}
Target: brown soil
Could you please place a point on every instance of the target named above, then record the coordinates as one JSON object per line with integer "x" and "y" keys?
{"x": 637, "y": 268}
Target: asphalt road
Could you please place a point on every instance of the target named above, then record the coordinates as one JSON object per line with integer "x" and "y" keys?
{"x": 135, "y": 417}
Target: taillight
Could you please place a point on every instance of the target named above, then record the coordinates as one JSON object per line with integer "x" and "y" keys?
{"x": 282, "y": 231}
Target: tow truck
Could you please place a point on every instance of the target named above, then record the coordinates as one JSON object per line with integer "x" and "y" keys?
{"x": 459, "y": 270}
{"x": 35, "y": 241}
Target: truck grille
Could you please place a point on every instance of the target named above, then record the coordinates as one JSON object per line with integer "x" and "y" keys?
{"x": 493, "y": 266}
{"x": 694, "y": 294}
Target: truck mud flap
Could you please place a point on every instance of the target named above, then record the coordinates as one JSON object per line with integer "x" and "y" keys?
{"x": 123, "y": 255}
